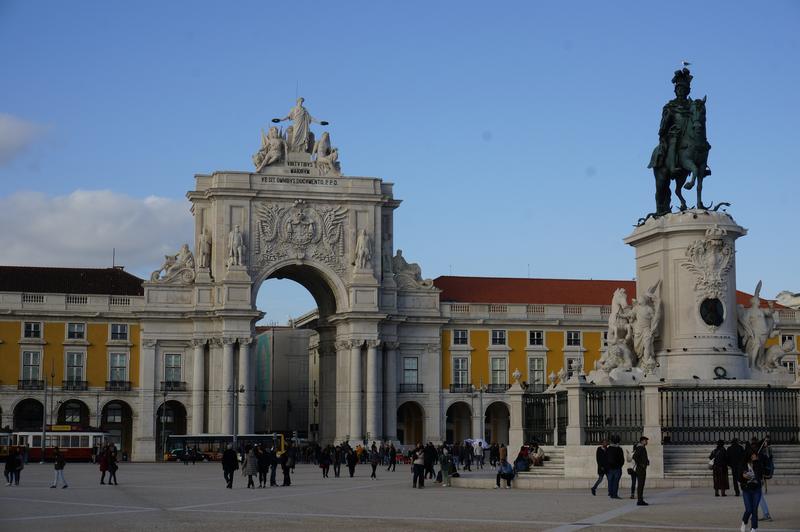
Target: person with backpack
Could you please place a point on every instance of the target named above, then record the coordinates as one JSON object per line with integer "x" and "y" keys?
{"x": 718, "y": 461}
{"x": 505, "y": 471}
{"x": 59, "y": 469}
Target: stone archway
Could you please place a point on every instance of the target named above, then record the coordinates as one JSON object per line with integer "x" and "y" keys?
{"x": 73, "y": 412}
{"x": 28, "y": 415}
{"x": 170, "y": 419}
{"x": 459, "y": 422}
{"x": 117, "y": 420}
{"x": 497, "y": 423}
{"x": 410, "y": 418}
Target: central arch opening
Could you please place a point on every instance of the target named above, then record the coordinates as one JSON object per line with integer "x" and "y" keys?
{"x": 295, "y": 374}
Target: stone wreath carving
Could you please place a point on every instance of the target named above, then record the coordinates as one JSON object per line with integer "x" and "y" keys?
{"x": 300, "y": 232}
{"x": 710, "y": 260}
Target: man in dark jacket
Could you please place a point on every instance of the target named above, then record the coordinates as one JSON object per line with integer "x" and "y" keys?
{"x": 616, "y": 459}
{"x": 230, "y": 463}
{"x": 735, "y": 455}
{"x": 601, "y": 458}
{"x": 430, "y": 458}
{"x": 641, "y": 462}
{"x": 59, "y": 469}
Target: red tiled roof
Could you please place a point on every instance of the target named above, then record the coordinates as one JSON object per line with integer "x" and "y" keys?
{"x": 103, "y": 281}
{"x": 539, "y": 291}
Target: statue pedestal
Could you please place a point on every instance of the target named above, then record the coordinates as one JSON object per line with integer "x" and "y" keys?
{"x": 693, "y": 254}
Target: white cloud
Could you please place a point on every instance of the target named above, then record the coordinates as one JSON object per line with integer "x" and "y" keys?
{"x": 81, "y": 229}
{"x": 16, "y": 135}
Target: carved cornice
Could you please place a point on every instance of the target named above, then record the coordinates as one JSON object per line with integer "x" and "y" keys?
{"x": 392, "y": 346}
{"x": 373, "y": 344}
{"x": 199, "y": 342}
{"x": 227, "y": 340}
{"x": 432, "y": 348}
{"x": 149, "y": 343}
{"x": 247, "y": 340}
{"x": 342, "y": 345}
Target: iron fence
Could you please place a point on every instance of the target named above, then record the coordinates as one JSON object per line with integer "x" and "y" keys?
{"x": 545, "y": 418}
{"x": 703, "y": 415}
{"x": 613, "y": 411}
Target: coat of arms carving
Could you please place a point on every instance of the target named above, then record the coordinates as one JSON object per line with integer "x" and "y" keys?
{"x": 300, "y": 231}
{"x": 710, "y": 260}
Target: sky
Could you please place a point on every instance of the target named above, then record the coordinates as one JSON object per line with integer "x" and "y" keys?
{"x": 517, "y": 134}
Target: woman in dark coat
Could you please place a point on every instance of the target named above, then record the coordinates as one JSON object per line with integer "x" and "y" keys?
{"x": 719, "y": 461}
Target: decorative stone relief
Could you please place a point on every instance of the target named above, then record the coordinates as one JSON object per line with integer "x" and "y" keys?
{"x": 391, "y": 346}
{"x": 237, "y": 250}
{"x": 516, "y": 376}
{"x": 632, "y": 331}
{"x": 149, "y": 343}
{"x": 756, "y": 325}
{"x": 408, "y": 275}
{"x": 373, "y": 343}
{"x": 325, "y": 157}
{"x": 710, "y": 260}
{"x": 300, "y": 232}
{"x": 645, "y": 320}
{"x": 199, "y": 342}
{"x": 273, "y": 149}
{"x": 362, "y": 258}
{"x": 177, "y": 269}
{"x": 774, "y": 355}
{"x": 562, "y": 376}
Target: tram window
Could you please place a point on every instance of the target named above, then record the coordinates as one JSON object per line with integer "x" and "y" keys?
{"x": 64, "y": 441}
{"x": 84, "y": 441}
{"x": 51, "y": 441}
{"x": 75, "y": 441}
{"x": 37, "y": 441}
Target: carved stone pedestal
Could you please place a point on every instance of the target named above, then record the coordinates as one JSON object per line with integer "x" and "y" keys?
{"x": 693, "y": 255}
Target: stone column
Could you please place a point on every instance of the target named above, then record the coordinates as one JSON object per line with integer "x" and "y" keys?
{"x": 651, "y": 404}
{"x": 145, "y": 442}
{"x": 227, "y": 385}
{"x": 342, "y": 429}
{"x": 516, "y": 421}
{"x": 245, "y": 421}
{"x": 356, "y": 424}
{"x": 198, "y": 385}
{"x": 390, "y": 395}
{"x": 374, "y": 391}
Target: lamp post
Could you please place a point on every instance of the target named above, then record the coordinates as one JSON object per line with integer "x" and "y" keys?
{"x": 164, "y": 425}
{"x": 235, "y": 397}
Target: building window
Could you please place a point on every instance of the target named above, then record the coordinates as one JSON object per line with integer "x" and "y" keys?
{"x": 30, "y": 365}
{"x": 172, "y": 367}
{"x": 605, "y": 338}
{"x": 460, "y": 337}
{"x": 410, "y": 369}
{"x": 72, "y": 412}
{"x": 536, "y": 376}
{"x": 32, "y": 329}
{"x": 498, "y": 337}
{"x": 460, "y": 371}
{"x": 118, "y": 369}
{"x": 536, "y": 338}
{"x": 74, "y": 367}
{"x": 787, "y": 338}
{"x": 114, "y": 413}
{"x": 76, "y": 331}
{"x": 790, "y": 365}
{"x": 499, "y": 371}
{"x": 119, "y": 331}
{"x": 572, "y": 365}
{"x": 573, "y": 338}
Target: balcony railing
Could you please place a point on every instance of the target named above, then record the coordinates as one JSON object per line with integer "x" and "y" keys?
{"x": 30, "y": 384}
{"x": 74, "y": 386}
{"x": 496, "y": 388}
{"x": 460, "y": 388}
{"x": 118, "y": 386}
{"x": 173, "y": 386}
{"x": 411, "y": 388}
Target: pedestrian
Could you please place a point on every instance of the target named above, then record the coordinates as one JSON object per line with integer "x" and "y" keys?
{"x": 112, "y": 465}
{"x": 505, "y": 471}
{"x": 103, "y": 464}
{"x": 273, "y": 466}
{"x": 286, "y": 466}
{"x": 478, "y": 452}
{"x": 601, "y": 457}
{"x": 752, "y": 477}
{"x": 392, "y": 458}
{"x": 430, "y": 454}
{"x": 230, "y": 463}
{"x": 351, "y": 460}
{"x": 615, "y": 459}
{"x": 735, "y": 455}
{"x": 59, "y": 469}
{"x": 11, "y": 465}
{"x": 193, "y": 455}
{"x": 418, "y": 466}
{"x": 641, "y": 461}
{"x": 494, "y": 455}
{"x": 337, "y": 461}
{"x": 250, "y": 466}
{"x": 446, "y": 462}
{"x": 718, "y": 460}
{"x": 263, "y": 466}
{"x": 374, "y": 460}
{"x": 631, "y": 471}
{"x": 768, "y": 467}
{"x": 325, "y": 461}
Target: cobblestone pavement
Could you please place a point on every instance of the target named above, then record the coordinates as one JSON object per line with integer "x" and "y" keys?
{"x": 172, "y": 496}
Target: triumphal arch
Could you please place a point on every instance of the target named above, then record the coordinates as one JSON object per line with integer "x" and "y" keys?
{"x": 295, "y": 216}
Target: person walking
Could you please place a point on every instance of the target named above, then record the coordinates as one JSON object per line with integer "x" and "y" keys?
{"x": 445, "y": 462}
{"x": 230, "y": 463}
{"x": 59, "y": 469}
{"x": 392, "y": 458}
{"x": 429, "y": 454}
{"x": 494, "y": 455}
{"x": 506, "y": 472}
{"x": 112, "y": 465}
{"x": 351, "y": 460}
{"x": 374, "y": 460}
{"x": 263, "y": 466}
{"x": 337, "y": 461}
{"x": 12, "y": 463}
{"x": 751, "y": 480}
{"x": 103, "y": 464}
{"x": 719, "y": 466}
{"x": 250, "y": 466}
{"x": 273, "y": 467}
{"x": 615, "y": 459}
{"x": 601, "y": 457}
{"x": 641, "y": 462}
{"x": 418, "y": 466}
{"x": 325, "y": 461}
{"x": 286, "y": 466}
{"x": 768, "y": 467}
{"x": 735, "y": 456}
{"x": 631, "y": 471}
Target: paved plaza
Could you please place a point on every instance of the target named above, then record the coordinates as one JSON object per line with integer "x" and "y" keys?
{"x": 176, "y": 497}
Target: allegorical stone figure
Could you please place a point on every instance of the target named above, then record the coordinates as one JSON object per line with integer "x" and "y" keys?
{"x": 756, "y": 325}
{"x": 645, "y": 318}
{"x": 300, "y": 138}
{"x": 236, "y": 248}
{"x": 273, "y": 149}
{"x": 682, "y": 145}
{"x": 363, "y": 254}
{"x": 204, "y": 249}
{"x": 182, "y": 263}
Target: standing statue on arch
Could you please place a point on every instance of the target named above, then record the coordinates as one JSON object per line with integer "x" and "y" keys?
{"x": 299, "y": 137}
{"x": 682, "y": 146}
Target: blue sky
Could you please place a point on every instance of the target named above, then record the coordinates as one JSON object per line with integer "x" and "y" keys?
{"x": 517, "y": 133}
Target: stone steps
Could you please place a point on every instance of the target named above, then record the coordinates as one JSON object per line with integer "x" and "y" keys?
{"x": 686, "y": 462}
{"x": 553, "y": 467}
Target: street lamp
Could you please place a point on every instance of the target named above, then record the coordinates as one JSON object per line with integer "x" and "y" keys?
{"x": 164, "y": 425}
{"x": 235, "y": 396}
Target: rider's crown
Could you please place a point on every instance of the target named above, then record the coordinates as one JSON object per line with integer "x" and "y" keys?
{"x": 682, "y": 77}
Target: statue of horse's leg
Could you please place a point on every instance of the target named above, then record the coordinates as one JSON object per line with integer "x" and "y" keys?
{"x": 662, "y": 190}
{"x": 700, "y": 193}
{"x": 680, "y": 179}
